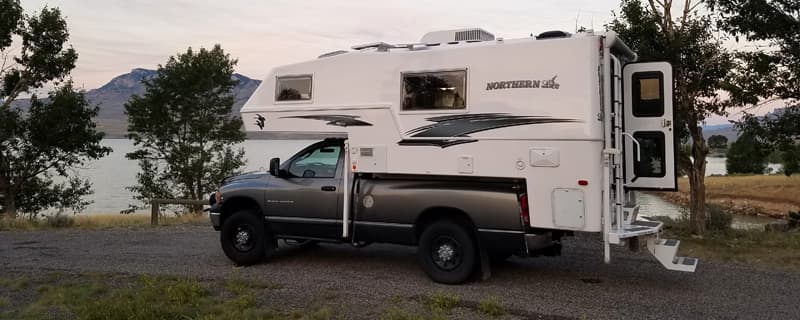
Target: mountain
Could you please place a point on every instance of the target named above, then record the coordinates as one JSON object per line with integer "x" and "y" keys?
{"x": 112, "y": 96}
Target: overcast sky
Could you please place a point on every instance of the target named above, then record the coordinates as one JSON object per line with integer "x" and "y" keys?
{"x": 114, "y": 36}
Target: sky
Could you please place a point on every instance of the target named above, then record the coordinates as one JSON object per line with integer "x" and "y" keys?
{"x": 114, "y": 36}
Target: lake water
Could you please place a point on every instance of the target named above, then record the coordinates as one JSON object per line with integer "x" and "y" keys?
{"x": 111, "y": 174}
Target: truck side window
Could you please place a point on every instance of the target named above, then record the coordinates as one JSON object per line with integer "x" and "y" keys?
{"x": 648, "y": 94}
{"x": 318, "y": 163}
{"x": 442, "y": 90}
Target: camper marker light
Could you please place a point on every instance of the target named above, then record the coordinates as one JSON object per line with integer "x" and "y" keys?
{"x": 583, "y": 182}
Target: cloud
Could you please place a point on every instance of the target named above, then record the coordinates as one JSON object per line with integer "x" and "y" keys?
{"x": 114, "y": 36}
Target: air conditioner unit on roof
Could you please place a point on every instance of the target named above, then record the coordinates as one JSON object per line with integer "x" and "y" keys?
{"x": 445, "y": 36}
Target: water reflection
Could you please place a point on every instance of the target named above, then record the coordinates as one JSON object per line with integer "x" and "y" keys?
{"x": 651, "y": 206}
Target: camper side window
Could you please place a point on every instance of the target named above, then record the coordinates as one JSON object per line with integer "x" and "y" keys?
{"x": 443, "y": 90}
{"x": 293, "y": 88}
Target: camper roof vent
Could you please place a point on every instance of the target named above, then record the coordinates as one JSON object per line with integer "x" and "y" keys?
{"x": 553, "y": 35}
{"x": 447, "y": 36}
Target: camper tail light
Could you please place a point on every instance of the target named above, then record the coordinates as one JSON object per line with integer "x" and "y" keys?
{"x": 583, "y": 182}
{"x": 524, "y": 213}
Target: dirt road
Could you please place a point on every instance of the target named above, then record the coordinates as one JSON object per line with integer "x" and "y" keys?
{"x": 360, "y": 283}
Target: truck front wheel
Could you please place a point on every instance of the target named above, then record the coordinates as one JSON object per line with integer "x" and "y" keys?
{"x": 448, "y": 252}
{"x": 244, "y": 238}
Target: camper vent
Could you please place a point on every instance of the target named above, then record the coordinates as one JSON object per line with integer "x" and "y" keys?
{"x": 474, "y": 35}
{"x": 553, "y": 35}
{"x": 448, "y": 36}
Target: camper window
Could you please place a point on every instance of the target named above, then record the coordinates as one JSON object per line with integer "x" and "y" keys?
{"x": 648, "y": 94}
{"x": 442, "y": 90}
{"x": 293, "y": 88}
{"x": 653, "y": 154}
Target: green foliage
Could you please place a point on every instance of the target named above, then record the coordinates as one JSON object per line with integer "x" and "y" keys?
{"x": 701, "y": 67}
{"x": 183, "y": 129}
{"x": 778, "y": 133}
{"x": 765, "y": 73}
{"x": 719, "y": 220}
{"x": 57, "y": 133}
{"x": 717, "y": 141}
{"x": 746, "y": 155}
{"x": 491, "y": 307}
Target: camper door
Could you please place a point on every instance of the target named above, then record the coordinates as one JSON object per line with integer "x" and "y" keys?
{"x": 648, "y": 124}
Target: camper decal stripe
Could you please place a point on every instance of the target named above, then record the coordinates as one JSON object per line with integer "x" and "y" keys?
{"x": 336, "y": 120}
{"x": 461, "y": 125}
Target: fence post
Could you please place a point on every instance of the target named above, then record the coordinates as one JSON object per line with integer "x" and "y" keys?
{"x": 154, "y": 212}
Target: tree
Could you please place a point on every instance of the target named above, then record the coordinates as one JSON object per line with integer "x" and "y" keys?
{"x": 700, "y": 67}
{"x": 718, "y": 141}
{"x": 183, "y": 128}
{"x": 777, "y": 132}
{"x": 773, "y": 70}
{"x": 771, "y": 73}
{"x": 56, "y": 134}
{"x": 746, "y": 155}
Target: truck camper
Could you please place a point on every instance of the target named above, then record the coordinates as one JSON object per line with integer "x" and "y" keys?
{"x": 470, "y": 146}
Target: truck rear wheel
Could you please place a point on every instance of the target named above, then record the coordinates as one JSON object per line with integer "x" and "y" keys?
{"x": 448, "y": 252}
{"x": 244, "y": 238}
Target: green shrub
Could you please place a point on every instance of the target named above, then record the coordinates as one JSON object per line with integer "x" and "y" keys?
{"x": 718, "y": 220}
{"x": 443, "y": 302}
{"x": 59, "y": 220}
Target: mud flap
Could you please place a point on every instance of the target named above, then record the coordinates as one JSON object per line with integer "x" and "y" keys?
{"x": 483, "y": 255}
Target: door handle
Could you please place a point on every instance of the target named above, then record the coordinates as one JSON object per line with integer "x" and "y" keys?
{"x": 328, "y": 188}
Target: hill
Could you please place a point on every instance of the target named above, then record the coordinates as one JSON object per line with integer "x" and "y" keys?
{"x": 112, "y": 96}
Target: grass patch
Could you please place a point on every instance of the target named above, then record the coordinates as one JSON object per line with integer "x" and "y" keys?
{"x": 491, "y": 307}
{"x": 754, "y": 247}
{"x": 397, "y": 313}
{"x": 442, "y": 302}
{"x": 98, "y": 221}
{"x": 147, "y": 297}
{"x": 14, "y": 284}
{"x": 4, "y": 302}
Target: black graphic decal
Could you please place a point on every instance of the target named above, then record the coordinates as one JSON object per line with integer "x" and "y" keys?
{"x": 260, "y": 121}
{"x": 462, "y": 125}
{"x": 336, "y": 120}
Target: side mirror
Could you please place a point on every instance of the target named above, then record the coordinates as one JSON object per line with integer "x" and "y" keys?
{"x": 274, "y": 167}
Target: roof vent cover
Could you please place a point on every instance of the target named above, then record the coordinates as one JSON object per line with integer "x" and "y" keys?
{"x": 446, "y": 36}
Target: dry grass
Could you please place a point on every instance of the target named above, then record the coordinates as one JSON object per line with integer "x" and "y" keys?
{"x": 773, "y": 195}
{"x": 100, "y": 221}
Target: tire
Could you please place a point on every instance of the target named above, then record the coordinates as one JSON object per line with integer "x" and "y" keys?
{"x": 448, "y": 252}
{"x": 245, "y": 239}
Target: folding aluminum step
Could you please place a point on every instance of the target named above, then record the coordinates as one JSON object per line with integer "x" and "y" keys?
{"x": 635, "y": 229}
{"x": 666, "y": 250}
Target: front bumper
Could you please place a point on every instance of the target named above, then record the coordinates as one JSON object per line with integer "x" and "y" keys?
{"x": 215, "y": 215}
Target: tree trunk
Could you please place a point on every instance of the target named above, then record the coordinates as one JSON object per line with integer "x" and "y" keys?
{"x": 697, "y": 183}
{"x": 9, "y": 203}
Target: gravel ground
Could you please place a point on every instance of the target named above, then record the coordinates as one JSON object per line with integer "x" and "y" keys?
{"x": 362, "y": 283}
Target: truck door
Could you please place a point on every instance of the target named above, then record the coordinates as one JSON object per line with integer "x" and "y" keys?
{"x": 307, "y": 202}
{"x": 648, "y": 124}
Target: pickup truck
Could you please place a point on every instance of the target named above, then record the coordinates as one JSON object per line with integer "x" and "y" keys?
{"x": 459, "y": 224}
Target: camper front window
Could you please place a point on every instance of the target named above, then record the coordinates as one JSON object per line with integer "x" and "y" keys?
{"x": 293, "y": 88}
{"x": 443, "y": 90}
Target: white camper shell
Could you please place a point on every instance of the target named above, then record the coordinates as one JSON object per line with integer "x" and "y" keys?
{"x": 574, "y": 115}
